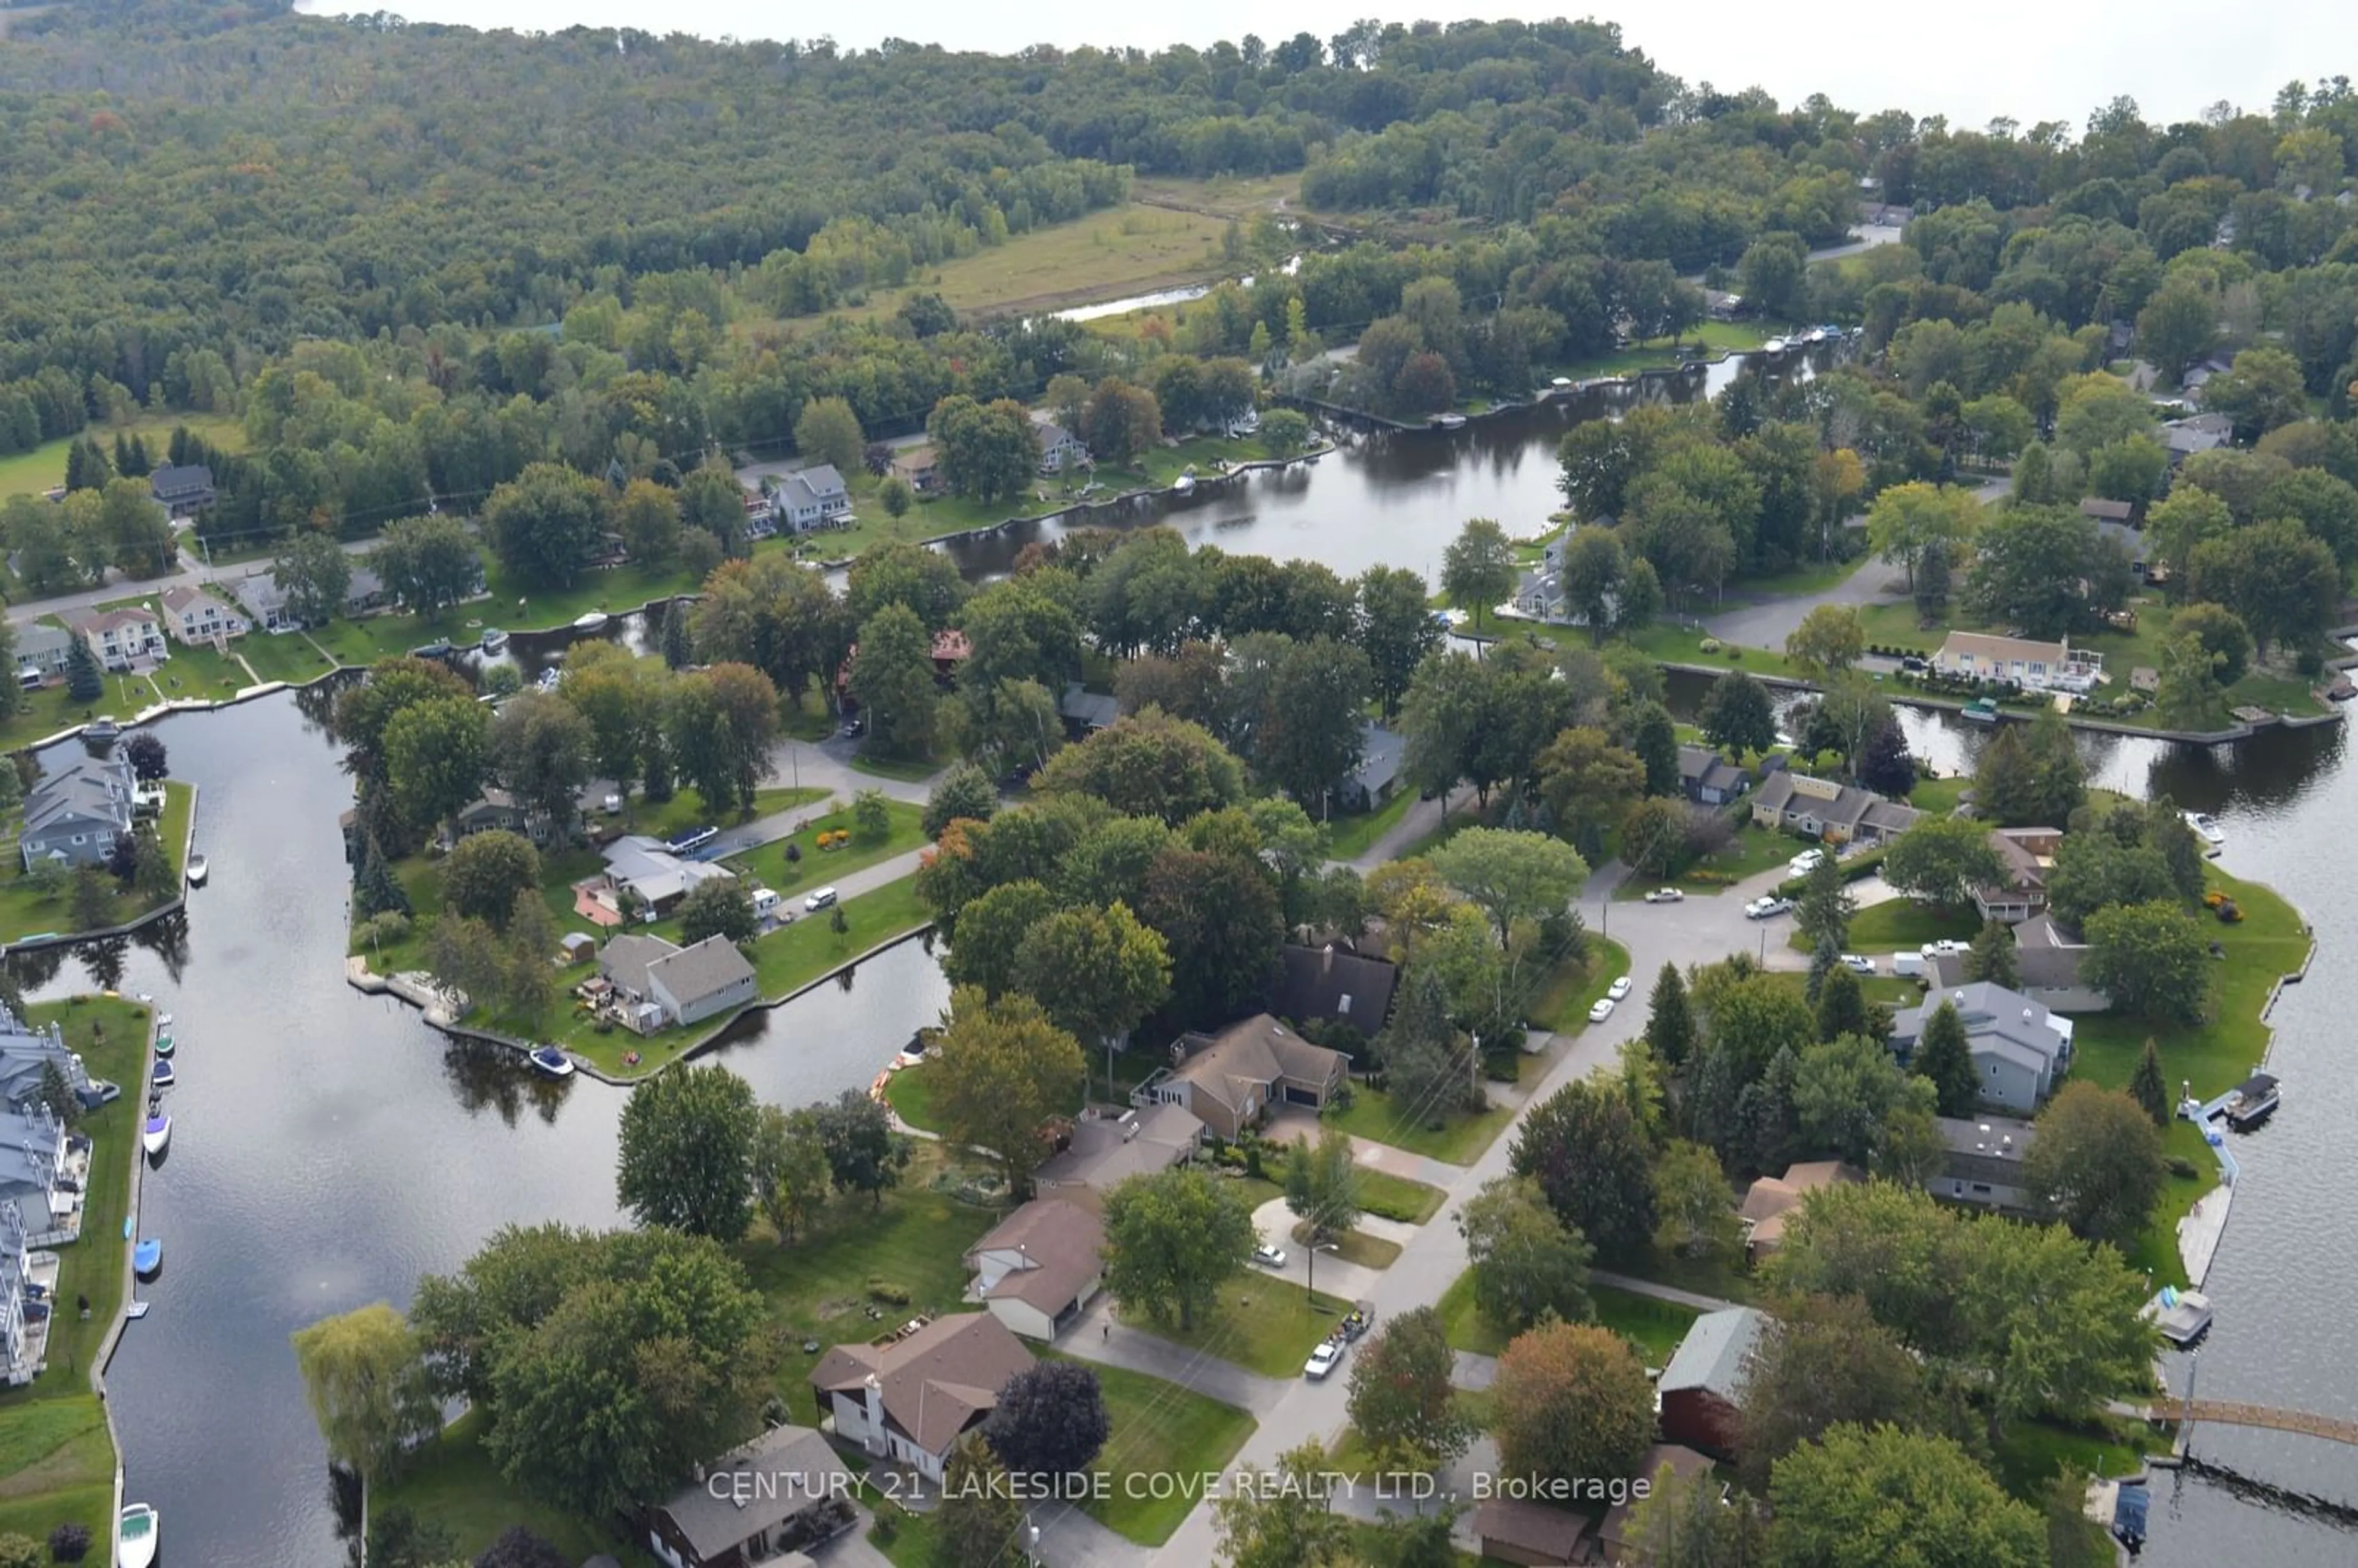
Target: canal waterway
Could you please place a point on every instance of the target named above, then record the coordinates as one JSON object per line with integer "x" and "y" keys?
{"x": 330, "y": 1147}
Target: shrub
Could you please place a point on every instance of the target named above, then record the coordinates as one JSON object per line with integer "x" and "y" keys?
{"x": 70, "y": 1542}
{"x": 2183, "y": 1168}
{"x": 882, "y": 1290}
{"x": 1711, "y": 644}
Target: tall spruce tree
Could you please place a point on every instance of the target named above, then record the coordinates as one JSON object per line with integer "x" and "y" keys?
{"x": 1842, "y": 1005}
{"x": 2147, "y": 1088}
{"x": 376, "y": 890}
{"x": 1670, "y": 1024}
{"x": 85, "y": 682}
{"x": 1944, "y": 1056}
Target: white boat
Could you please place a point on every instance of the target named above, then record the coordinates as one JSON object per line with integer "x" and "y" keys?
{"x": 593, "y": 622}
{"x": 2206, "y": 829}
{"x": 1451, "y": 421}
{"x": 2183, "y": 1316}
{"x": 550, "y": 1062}
{"x": 197, "y": 872}
{"x": 494, "y": 639}
{"x": 135, "y": 1530}
{"x": 157, "y": 1135}
{"x": 1184, "y": 485}
{"x": 1773, "y": 346}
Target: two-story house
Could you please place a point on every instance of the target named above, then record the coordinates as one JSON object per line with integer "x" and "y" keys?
{"x": 813, "y": 497}
{"x": 1230, "y": 1080}
{"x": 2030, "y": 663}
{"x": 73, "y": 815}
{"x": 1059, "y": 448}
{"x": 2019, "y": 1047}
{"x": 183, "y": 490}
{"x": 199, "y": 620}
{"x": 123, "y": 638}
{"x": 41, "y": 652}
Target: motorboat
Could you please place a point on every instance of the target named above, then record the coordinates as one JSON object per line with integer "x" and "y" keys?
{"x": 162, "y": 1020}
{"x": 1184, "y": 485}
{"x": 157, "y": 1135}
{"x": 549, "y": 678}
{"x": 146, "y": 1257}
{"x": 2205, "y": 829}
{"x": 434, "y": 650}
{"x": 1450, "y": 421}
{"x": 198, "y": 870}
{"x": 102, "y": 727}
{"x": 137, "y": 1309}
{"x": 164, "y": 1045}
{"x": 2183, "y": 1316}
{"x": 2254, "y": 1101}
{"x": 593, "y": 622}
{"x": 494, "y": 639}
{"x": 135, "y": 1530}
{"x": 1980, "y": 710}
{"x": 551, "y": 1062}
{"x": 166, "y": 1076}
{"x": 1773, "y": 346}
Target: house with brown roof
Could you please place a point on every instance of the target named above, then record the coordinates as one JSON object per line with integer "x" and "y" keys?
{"x": 1769, "y": 1201}
{"x": 1333, "y": 984}
{"x": 1613, "y": 1534}
{"x": 2033, "y": 665}
{"x": 1099, "y": 1151}
{"x": 769, "y": 1501}
{"x": 910, "y": 1396}
{"x": 1789, "y": 802}
{"x": 1038, "y": 1269}
{"x": 1514, "y": 1530}
{"x": 2025, "y": 856}
{"x": 1229, "y": 1080}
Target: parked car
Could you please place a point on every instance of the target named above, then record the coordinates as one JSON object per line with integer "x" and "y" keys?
{"x": 1808, "y": 860}
{"x": 1858, "y": 963}
{"x": 1908, "y": 964}
{"x": 1618, "y": 988}
{"x": 820, "y": 898}
{"x": 614, "y": 803}
{"x": 1323, "y": 1360}
{"x": 1602, "y": 1010}
{"x": 1763, "y": 908}
{"x": 1666, "y": 895}
{"x": 853, "y": 728}
{"x": 1946, "y": 947}
{"x": 1269, "y": 1257}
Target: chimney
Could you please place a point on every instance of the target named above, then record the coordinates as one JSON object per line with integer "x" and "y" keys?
{"x": 1326, "y": 960}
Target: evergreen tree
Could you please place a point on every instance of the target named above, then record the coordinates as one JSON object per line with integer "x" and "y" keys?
{"x": 980, "y": 1520}
{"x": 1842, "y": 1005}
{"x": 86, "y": 466}
{"x": 2145, "y": 1086}
{"x": 178, "y": 452}
{"x": 1991, "y": 957}
{"x": 1944, "y": 1056}
{"x": 121, "y": 454}
{"x": 1768, "y": 1117}
{"x": 1670, "y": 1024}
{"x": 85, "y": 682}
{"x": 1826, "y": 905}
{"x": 677, "y": 652}
{"x": 1825, "y": 959}
{"x": 376, "y": 890}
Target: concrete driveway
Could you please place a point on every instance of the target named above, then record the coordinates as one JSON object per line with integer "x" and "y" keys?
{"x": 1768, "y": 623}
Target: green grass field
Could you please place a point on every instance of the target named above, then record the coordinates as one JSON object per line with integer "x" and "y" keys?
{"x": 1756, "y": 849}
{"x": 1662, "y": 353}
{"x": 26, "y": 910}
{"x": 455, "y": 1485}
{"x": 1900, "y": 925}
{"x": 1655, "y": 1327}
{"x": 1129, "y": 249}
{"x": 1677, "y": 644}
{"x": 1571, "y": 989}
{"x": 1453, "y": 1136}
{"x": 44, "y": 468}
{"x": 1159, "y": 1429}
{"x": 1260, "y": 1323}
{"x": 769, "y": 867}
{"x": 1349, "y": 838}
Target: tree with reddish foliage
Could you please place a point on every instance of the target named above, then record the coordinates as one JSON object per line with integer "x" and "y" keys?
{"x": 1571, "y": 1400}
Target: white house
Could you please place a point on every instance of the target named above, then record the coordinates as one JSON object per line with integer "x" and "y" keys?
{"x": 265, "y": 602}
{"x": 675, "y": 985}
{"x": 2035, "y": 666}
{"x": 197, "y": 619}
{"x": 909, "y": 1397}
{"x": 24, "y": 1320}
{"x": 1059, "y": 448}
{"x": 813, "y": 497}
{"x": 121, "y": 638}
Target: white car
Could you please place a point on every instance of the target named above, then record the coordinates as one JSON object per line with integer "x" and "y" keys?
{"x": 1807, "y": 861}
{"x": 1763, "y": 908}
{"x": 1602, "y": 1010}
{"x": 1667, "y": 895}
{"x": 820, "y": 898}
{"x": 1858, "y": 963}
{"x": 1618, "y": 988}
{"x": 1269, "y": 1257}
{"x": 1946, "y": 947}
{"x": 613, "y": 803}
{"x": 1323, "y": 1360}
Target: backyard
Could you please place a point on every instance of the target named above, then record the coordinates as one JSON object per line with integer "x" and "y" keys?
{"x": 44, "y": 466}
{"x": 27, "y": 909}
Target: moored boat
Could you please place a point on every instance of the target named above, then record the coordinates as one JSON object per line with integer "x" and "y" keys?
{"x": 434, "y": 650}
{"x": 1184, "y": 485}
{"x": 1450, "y": 421}
{"x": 2183, "y": 1316}
{"x": 135, "y": 1532}
{"x": 157, "y": 1135}
{"x": 164, "y": 1045}
{"x": 2253, "y": 1102}
{"x": 2205, "y": 827}
{"x": 1773, "y": 346}
{"x": 1980, "y": 710}
{"x": 494, "y": 639}
{"x": 102, "y": 727}
{"x": 166, "y": 1076}
{"x": 198, "y": 870}
{"x": 595, "y": 621}
{"x": 551, "y": 1062}
{"x": 148, "y": 1257}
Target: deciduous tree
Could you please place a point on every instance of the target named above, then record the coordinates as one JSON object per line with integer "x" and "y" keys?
{"x": 486, "y": 870}
{"x": 1737, "y": 715}
{"x": 364, "y": 1374}
{"x": 1941, "y": 860}
{"x": 1403, "y": 1400}
{"x": 828, "y": 432}
{"x": 435, "y": 758}
{"x": 1050, "y": 1420}
{"x": 1571, "y": 1400}
{"x": 686, "y": 1152}
{"x": 314, "y": 573}
{"x": 1511, "y": 876}
{"x": 1823, "y": 1361}
{"x": 2151, "y": 958}
{"x": 1527, "y": 1263}
{"x": 1857, "y": 1499}
{"x": 1172, "y": 1239}
{"x": 1291, "y": 1521}
{"x": 544, "y": 524}
{"x": 1003, "y": 1070}
{"x": 789, "y": 1170}
{"x": 2096, "y": 1158}
{"x": 1828, "y": 640}
{"x": 1588, "y": 1152}
{"x": 1696, "y": 1211}
{"x": 863, "y": 1154}
{"x": 1589, "y": 785}
{"x": 1478, "y": 569}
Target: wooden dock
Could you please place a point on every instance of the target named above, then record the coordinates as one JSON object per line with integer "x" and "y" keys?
{"x": 2224, "y": 1413}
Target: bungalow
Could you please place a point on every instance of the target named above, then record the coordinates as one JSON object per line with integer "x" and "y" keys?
{"x": 41, "y": 652}
{"x": 908, "y": 1397}
{"x": 2047, "y": 961}
{"x": 1102, "y": 1149}
{"x": 1982, "y": 1162}
{"x": 764, "y": 1502}
{"x": 1231, "y": 1078}
{"x": 496, "y": 810}
{"x": 121, "y": 638}
{"x": 2019, "y": 1049}
{"x": 1085, "y": 712}
{"x": 183, "y": 490}
{"x": 813, "y": 497}
{"x": 1768, "y": 1200}
{"x": 1702, "y": 1390}
{"x": 1708, "y": 778}
{"x": 73, "y": 815}
{"x": 2183, "y": 439}
{"x": 1613, "y": 1534}
{"x": 642, "y": 873}
{"x": 1516, "y": 1530}
{"x": 1838, "y": 814}
{"x": 2039, "y": 667}
{"x": 1038, "y": 1270}
{"x": 1059, "y": 448}
{"x": 2104, "y": 511}
{"x": 668, "y": 985}
{"x": 1721, "y": 306}
{"x": 365, "y": 591}
{"x": 919, "y": 468}
{"x": 1332, "y": 985}
{"x": 197, "y": 619}
{"x": 2024, "y": 855}
{"x": 1375, "y": 777}
{"x": 265, "y": 602}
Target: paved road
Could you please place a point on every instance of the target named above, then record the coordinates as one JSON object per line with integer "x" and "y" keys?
{"x": 191, "y": 572}
{"x": 1768, "y": 623}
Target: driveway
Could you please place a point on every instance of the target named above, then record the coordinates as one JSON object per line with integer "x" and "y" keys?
{"x": 1768, "y": 623}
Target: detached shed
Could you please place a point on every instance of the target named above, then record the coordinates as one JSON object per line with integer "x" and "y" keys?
{"x": 1514, "y": 1531}
{"x": 579, "y": 947}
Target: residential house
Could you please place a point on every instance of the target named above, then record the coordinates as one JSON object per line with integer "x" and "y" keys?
{"x": 1231, "y": 1078}
{"x": 908, "y": 1397}
{"x": 764, "y": 1502}
{"x": 182, "y": 489}
{"x": 1613, "y": 1534}
{"x": 1708, "y": 778}
{"x": 265, "y": 602}
{"x": 365, "y": 591}
{"x": 1059, "y": 448}
{"x": 197, "y": 619}
{"x": 28, "y": 1283}
{"x": 642, "y": 873}
{"x": 919, "y": 468}
{"x": 2130, "y": 542}
{"x": 1721, "y": 306}
{"x": 951, "y": 649}
{"x": 42, "y": 651}
{"x": 1770, "y": 1199}
{"x": 1100, "y": 1150}
{"x": 122, "y": 638}
{"x": 27, "y": 1054}
{"x": 1375, "y": 778}
{"x": 1332, "y": 985}
{"x": 2037, "y": 665}
{"x": 1885, "y": 216}
{"x": 2026, "y": 855}
{"x": 2019, "y": 1048}
{"x": 1538, "y": 594}
{"x": 2183, "y": 439}
{"x": 668, "y": 985}
{"x": 40, "y": 1174}
{"x": 1702, "y": 1390}
{"x": 1038, "y": 1270}
{"x": 2046, "y": 961}
{"x": 2106, "y": 511}
{"x": 1516, "y": 1530}
{"x": 497, "y": 810}
{"x": 813, "y": 497}
{"x": 1818, "y": 808}
{"x": 74, "y": 815}
{"x": 1982, "y": 1161}
{"x": 1085, "y": 712}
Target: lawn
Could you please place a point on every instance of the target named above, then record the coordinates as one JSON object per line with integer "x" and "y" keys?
{"x": 1387, "y": 1196}
{"x": 1655, "y": 1327}
{"x": 916, "y": 772}
{"x": 286, "y": 656}
{"x": 1349, "y": 838}
{"x": 1756, "y": 849}
{"x": 1662, "y": 353}
{"x": 1669, "y": 643}
{"x": 1901, "y": 926}
{"x": 1454, "y": 1136}
{"x": 1942, "y": 797}
{"x": 49, "y": 711}
{"x": 56, "y": 1463}
{"x": 27, "y": 910}
{"x": 1352, "y": 1247}
{"x": 44, "y": 468}
{"x": 1260, "y": 1323}
{"x": 2031, "y": 1451}
{"x": 455, "y": 1485}
{"x": 511, "y": 603}
{"x": 1159, "y": 1429}
{"x": 1572, "y": 989}
{"x": 1130, "y": 249}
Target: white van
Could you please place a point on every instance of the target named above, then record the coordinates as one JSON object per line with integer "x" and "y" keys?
{"x": 821, "y": 899}
{"x": 765, "y": 903}
{"x": 1908, "y": 964}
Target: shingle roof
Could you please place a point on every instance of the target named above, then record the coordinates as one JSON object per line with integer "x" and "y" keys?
{"x": 180, "y": 599}
{"x": 626, "y": 959}
{"x": 701, "y": 970}
{"x": 1548, "y": 1534}
{"x": 800, "y": 1469}
{"x": 1331, "y": 982}
{"x": 934, "y": 1381}
{"x": 1060, "y": 1242}
{"x": 87, "y": 789}
{"x": 1105, "y": 1150}
{"x": 1256, "y": 1050}
{"x": 1984, "y": 646}
{"x": 1089, "y": 708}
{"x": 1713, "y": 1355}
{"x": 1979, "y": 1150}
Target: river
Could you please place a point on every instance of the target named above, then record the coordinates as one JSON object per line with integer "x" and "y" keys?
{"x": 330, "y": 1148}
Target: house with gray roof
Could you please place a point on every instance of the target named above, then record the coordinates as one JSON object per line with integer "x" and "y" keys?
{"x": 365, "y": 591}
{"x": 1703, "y": 1387}
{"x": 26, "y": 1052}
{"x": 644, "y": 875}
{"x": 73, "y": 817}
{"x": 183, "y": 489}
{"x": 2019, "y": 1048}
{"x": 1375, "y": 777}
{"x": 812, "y": 497}
{"x": 1087, "y": 712}
{"x": 1332, "y": 984}
{"x": 909, "y": 1397}
{"x": 1981, "y": 1162}
{"x": 668, "y": 985}
{"x": 766, "y": 1501}
{"x": 2046, "y": 961}
{"x": 1230, "y": 1079}
{"x": 197, "y": 619}
{"x": 41, "y": 654}
{"x": 2183, "y": 439}
{"x": 1709, "y": 779}
{"x": 265, "y": 603}
{"x": 34, "y": 1173}
{"x": 1102, "y": 1149}
{"x": 1059, "y": 448}
{"x": 1836, "y": 813}
{"x": 23, "y": 1336}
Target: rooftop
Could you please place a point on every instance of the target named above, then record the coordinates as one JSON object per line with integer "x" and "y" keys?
{"x": 788, "y": 1469}
{"x": 1713, "y": 1355}
{"x": 935, "y": 1381}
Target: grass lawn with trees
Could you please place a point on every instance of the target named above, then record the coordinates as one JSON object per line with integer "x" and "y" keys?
{"x": 1662, "y": 353}
{"x": 44, "y": 466}
{"x": 24, "y": 911}
{"x": 455, "y": 1485}
{"x": 1655, "y": 1327}
{"x": 1159, "y": 1429}
{"x": 916, "y": 772}
{"x": 1349, "y": 838}
{"x": 285, "y": 657}
{"x": 1899, "y": 926}
{"x": 769, "y": 867}
{"x": 56, "y": 1462}
{"x": 1263, "y": 1324}
{"x": 1756, "y": 849}
{"x": 1456, "y": 1138}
